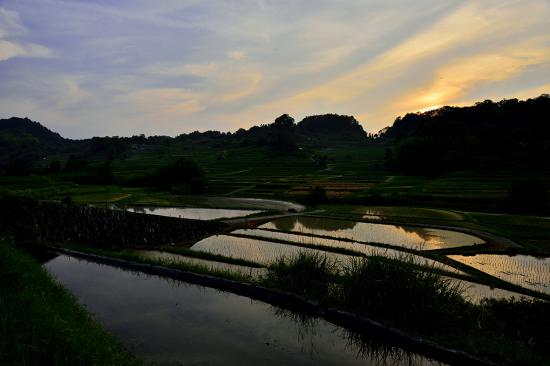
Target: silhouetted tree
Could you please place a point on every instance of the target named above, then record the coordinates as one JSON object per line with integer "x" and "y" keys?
{"x": 182, "y": 176}
{"x": 282, "y": 136}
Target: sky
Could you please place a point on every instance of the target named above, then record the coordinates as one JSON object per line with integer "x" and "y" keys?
{"x": 107, "y": 67}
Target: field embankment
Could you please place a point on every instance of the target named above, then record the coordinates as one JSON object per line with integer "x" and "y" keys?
{"x": 42, "y": 324}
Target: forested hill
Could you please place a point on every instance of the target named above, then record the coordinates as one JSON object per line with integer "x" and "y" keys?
{"x": 332, "y": 125}
{"x": 509, "y": 132}
{"x": 24, "y": 131}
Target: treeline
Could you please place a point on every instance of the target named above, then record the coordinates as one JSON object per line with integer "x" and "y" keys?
{"x": 181, "y": 176}
{"x": 504, "y": 134}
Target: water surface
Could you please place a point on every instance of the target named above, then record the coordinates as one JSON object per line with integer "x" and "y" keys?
{"x": 172, "y": 323}
{"x": 475, "y": 292}
{"x": 379, "y": 212}
{"x": 368, "y": 250}
{"x": 522, "y": 270}
{"x": 193, "y": 212}
{"x": 260, "y": 251}
{"x": 208, "y": 264}
{"x": 406, "y": 236}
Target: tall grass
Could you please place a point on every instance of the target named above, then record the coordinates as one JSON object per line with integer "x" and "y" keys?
{"x": 42, "y": 324}
{"x": 399, "y": 293}
{"x": 306, "y": 274}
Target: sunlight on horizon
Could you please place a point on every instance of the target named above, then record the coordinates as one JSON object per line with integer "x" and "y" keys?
{"x": 171, "y": 68}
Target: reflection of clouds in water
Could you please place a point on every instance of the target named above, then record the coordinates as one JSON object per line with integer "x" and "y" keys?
{"x": 406, "y": 236}
{"x": 294, "y": 223}
{"x": 269, "y": 250}
{"x": 263, "y": 252}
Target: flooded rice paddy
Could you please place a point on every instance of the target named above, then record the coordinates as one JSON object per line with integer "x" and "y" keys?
{"x": 522, "y": 270}
{"x": 172, "y": 323}
{"x": 369, "y": 250}
{"x": 475, "y": 292}
{"x": 379, "y": 213}
{"x": 205, "y": 263}
{"x": 259, "y": 251}
{"x": 406, "y": 236}
{"x": 193, "y": 213}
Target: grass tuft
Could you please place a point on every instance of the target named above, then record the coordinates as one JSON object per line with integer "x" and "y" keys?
{"x": 42, "y": 324}
{"x": 306, "y": 274}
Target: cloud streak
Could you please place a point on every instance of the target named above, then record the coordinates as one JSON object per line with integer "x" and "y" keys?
{"x": 169, "y": 67}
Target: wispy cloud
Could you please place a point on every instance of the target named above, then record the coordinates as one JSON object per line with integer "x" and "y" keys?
{"x": 10, "y": 28}
{"x": 167, "y": 67}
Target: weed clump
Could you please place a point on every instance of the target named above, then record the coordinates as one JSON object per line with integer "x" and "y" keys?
{"x": 399, "y": 293}
{"x": 310, "y": 275}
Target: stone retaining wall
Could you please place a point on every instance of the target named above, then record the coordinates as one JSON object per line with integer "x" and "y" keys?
{"x": 51, "y": 222}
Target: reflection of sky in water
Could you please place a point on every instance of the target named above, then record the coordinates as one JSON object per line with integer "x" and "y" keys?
{"x": 406, "y": 236}
{"x": 263, "y": 252}
{"x": 212, "y": 265}
{"x": 358, "y": 247}
{"x": 522, "y": 270}
{"x": 475, "y": 292}
{"x": 266, "y": 252}
{"x": 171, "y": 322}
{"x": 193, "y": 213}
{"x": 373, "y": 212}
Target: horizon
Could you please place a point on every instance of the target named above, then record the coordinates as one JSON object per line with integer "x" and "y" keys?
{"x": 97, "y": 69}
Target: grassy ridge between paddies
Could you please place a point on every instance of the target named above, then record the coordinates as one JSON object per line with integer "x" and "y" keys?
{"x": 421, "y": 302}
{"x": 396, "y": 293}
{"x": 42, "y": 324}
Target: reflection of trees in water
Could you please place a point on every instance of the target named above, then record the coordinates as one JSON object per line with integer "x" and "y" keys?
{"x": 367, "y": 347}
{"x": 425, "y": 234}
{"x": 381, "y": 353}
{"x": 313, "y": 223}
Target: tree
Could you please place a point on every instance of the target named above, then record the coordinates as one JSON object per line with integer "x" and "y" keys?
{"x": 282, "y": 136}
{"x": 182, "y": 176}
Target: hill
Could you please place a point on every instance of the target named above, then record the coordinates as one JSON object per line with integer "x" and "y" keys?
{"x": 507, "y": 133}
{"x": 332, "y": 127}
{"x": 24, "y": 131}
{"x": 23, "y": 141}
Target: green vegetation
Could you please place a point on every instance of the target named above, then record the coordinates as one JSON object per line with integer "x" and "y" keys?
{"x": 457, "y": 167}
{"x": 509, "y": 331}
{"x": 40, "y": 323}
{"x": 305, "y": 274}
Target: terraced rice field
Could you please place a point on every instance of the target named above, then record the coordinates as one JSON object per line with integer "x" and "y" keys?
{"x": 208, "y": 264}
{"x": 368, "y": 250}
{"x": 260, "y": 251}
{"x": 475, "y": 292}
{"x": 405, "y": 236}
{"x": 522, "y": 270}
{"x": 193, "y": 212}
{"x": 380, "y": 213}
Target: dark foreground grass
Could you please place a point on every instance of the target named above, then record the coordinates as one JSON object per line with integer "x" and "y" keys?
{"x": 506, "y": 331}
{"x": 42, "y": 324}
